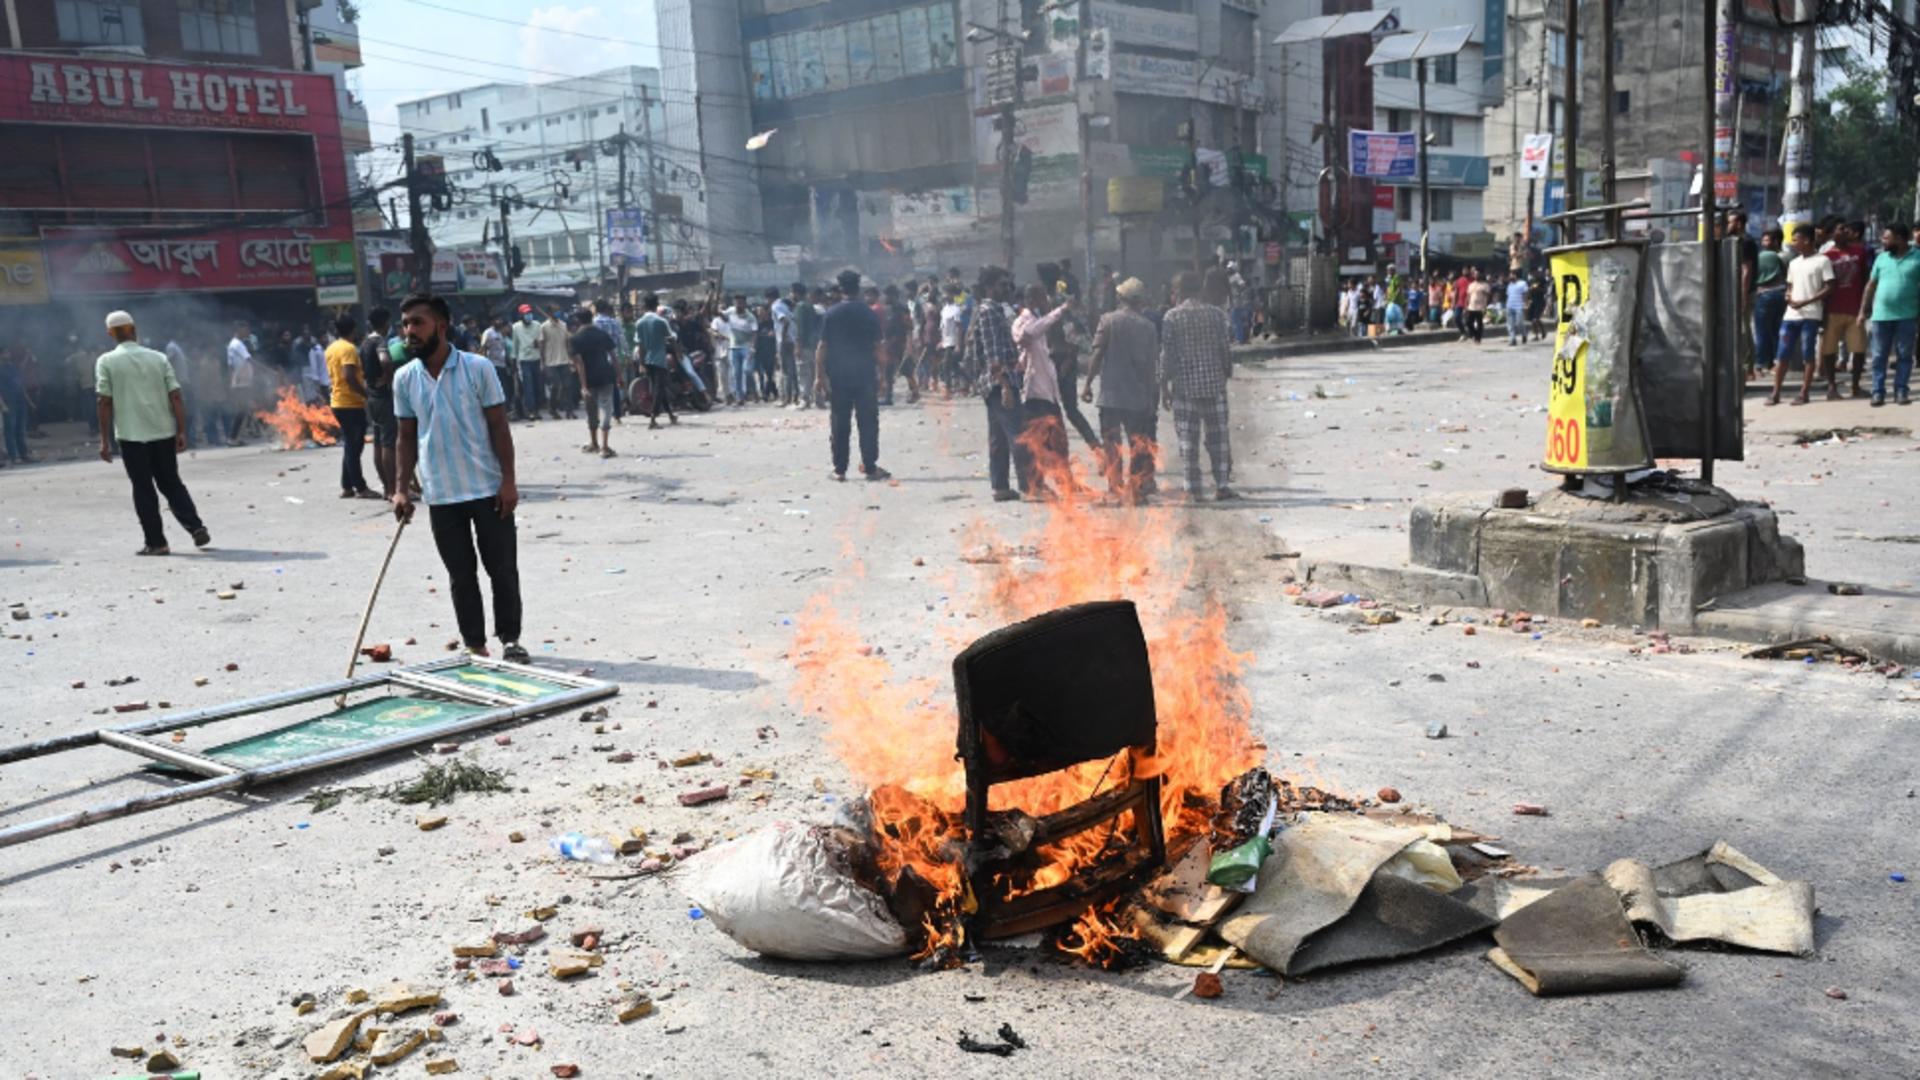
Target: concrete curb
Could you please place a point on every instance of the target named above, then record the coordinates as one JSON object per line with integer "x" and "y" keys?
{"x": 1330, "y": 343}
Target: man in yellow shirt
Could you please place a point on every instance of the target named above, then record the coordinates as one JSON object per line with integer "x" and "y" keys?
{"x": 138, "y": 403}
{"x": 349, "y": 401}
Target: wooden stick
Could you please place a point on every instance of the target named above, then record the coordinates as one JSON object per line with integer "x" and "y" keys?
{"x": 366, "y": 615}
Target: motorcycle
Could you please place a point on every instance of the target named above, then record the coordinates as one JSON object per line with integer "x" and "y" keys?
{"x": 686, "y": 396}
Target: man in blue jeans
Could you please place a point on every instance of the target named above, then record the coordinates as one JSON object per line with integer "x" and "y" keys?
{"x": 1809, "y": 281}
{"x": 1893, "y": 303}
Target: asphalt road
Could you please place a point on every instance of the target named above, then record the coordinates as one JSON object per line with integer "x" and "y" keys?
{"x": 679, "y": 568}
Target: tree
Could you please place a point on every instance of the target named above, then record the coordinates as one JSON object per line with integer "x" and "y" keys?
{"x": 1863, "y": 156}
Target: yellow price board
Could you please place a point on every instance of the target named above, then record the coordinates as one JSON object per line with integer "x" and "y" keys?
{"x": 1567, "y": 401}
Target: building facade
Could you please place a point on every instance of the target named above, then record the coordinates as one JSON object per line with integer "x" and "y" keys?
{"x": 1458, "y": 94}
{"x": 548, "y": 155}
{"x": 332, "y": 48}
{"x": 1660, "y": 73}
{"x": 162, "y": 155}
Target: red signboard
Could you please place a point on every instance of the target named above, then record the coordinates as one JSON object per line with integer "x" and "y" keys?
{"x": 67, "y": 93}
{"x": 110, "y": 261}
{"x": 90, "y": 90}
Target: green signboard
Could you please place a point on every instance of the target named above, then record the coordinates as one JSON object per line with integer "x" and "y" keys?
{"x": 340, "y": 728}
{"x": 382, "y": 717}
{"x": 336, "y": 279}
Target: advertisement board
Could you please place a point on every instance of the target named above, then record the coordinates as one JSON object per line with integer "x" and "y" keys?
{"x": 1594, "y": 419}
{"x": 105, "y": 262}
{"x": 23, "y": 272}
{"x": 336, "y": 280}
{"x": 1384, "y": 155}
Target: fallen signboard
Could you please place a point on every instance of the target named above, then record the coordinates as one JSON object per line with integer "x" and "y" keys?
{"x": 420, "y": 704}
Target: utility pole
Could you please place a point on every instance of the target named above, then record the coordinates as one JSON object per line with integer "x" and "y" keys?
{"x": 1200, "y": 183}
{"x": 1539, "y": 116}
{"x": 653, "y": 180}
{"x": 1797, "y": 199}
{"x": 1570, "y": 113}
{"x": 416, "y": 221}
{"x": 506, "y": 243}
{"x": 1081, "y": 89}
{"x": 1608, "y": 166}
{"x": 1009, "y": 149}
{"x": 1726, "y": 100}
{"x": 1710, "y": 258}
{"x": 1426, "y": 189}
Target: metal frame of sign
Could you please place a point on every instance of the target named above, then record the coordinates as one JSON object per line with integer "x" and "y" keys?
{"x": 220, "y": 777}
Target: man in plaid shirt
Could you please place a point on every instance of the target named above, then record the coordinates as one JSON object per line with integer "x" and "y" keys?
{"x": 992, "y": 355}
{"x": 1194, "y": 368}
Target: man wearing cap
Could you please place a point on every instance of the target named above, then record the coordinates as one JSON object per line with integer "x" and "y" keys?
{"x": 139, "y": 403}
{"x": 1126, "y": 350}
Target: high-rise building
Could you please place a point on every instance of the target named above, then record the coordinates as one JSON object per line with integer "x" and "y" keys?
{"x": 332, "y": 48}
{"x": 549, "y": 152}
{"x": 706, "y": 100}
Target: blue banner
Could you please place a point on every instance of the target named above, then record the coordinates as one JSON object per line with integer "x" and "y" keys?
{"x": 1493, "y": 49}
{"x": 1384, "y": 155}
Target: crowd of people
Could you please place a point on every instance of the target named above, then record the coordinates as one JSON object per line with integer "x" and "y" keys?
{"x": 1822, "y": 298}
{"x": 1467, "y": 302}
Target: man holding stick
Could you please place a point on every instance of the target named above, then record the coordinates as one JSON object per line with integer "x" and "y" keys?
{"x": 453, "y": 429}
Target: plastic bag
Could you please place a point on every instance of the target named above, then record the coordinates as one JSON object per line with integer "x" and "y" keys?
{"x": 788, "y": 891}
{"x": 1424, "y": 862}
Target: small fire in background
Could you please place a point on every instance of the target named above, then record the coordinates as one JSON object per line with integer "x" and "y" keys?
{"x": 897, "y": 736}
{"x": 299, "y": 423}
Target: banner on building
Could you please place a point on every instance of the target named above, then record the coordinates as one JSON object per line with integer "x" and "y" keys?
{"x": 132, "y": 261}
{"x": 23, "y": 272}
{"x": 336, "y": 280}
{"x": 1535, "y": 153}
{"x": 627, "y": 236}
{"x": 1383, "y": 207}
{"x": 469, "y": 273}
{"x": 1384, "y": 155}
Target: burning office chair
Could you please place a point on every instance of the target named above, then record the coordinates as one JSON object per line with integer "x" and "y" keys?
{"x": 1067, "y": 687}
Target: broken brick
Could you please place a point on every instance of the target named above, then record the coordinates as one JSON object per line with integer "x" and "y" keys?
{"x": 701, "y": 796}
{"x": 565, "y": 1071}
{"x": 1207, "y": 985}
{"x": 579, "y": 937}
{"x": 391, "y": 1046}
{"x": 332, "y": 1040}
{"x": 1389, "y": 795}
{"x": 442, "y": 1066}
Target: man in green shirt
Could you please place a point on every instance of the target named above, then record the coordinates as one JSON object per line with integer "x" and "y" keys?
{"x": 139, "y": 404}
{"x": 1893, "y": 303}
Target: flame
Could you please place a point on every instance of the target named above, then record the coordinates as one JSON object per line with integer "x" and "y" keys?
{"x": 297, "y": 421}
{"x": 897, "y": 735}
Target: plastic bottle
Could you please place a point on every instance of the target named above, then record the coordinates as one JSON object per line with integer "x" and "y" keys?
{"x": 581, "y": 848}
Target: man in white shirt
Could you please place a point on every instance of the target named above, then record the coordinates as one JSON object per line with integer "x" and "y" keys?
{"x": 1809, "y": 281}
{"x": 784, "y": 347}
{"x": 241, "y": 377}
{"x": 527, "y": 359}
{"x": 952, "y": 317}
{"x": 1044, "y": 428}
{"x": 139, "y": 405}
{"x": 741, "y": 327}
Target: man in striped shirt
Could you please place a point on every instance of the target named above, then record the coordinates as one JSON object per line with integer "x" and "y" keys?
{"x": 453, "y": 430}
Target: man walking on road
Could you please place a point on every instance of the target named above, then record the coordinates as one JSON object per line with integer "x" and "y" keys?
{"x": 847, "y": 358}
{"x": 1893, "y": 299}
{"x": 1844, "y": 322}
{"x": 1194, "y": 368}
{"x": 1125, "y": 349}
{"x": 453, "y": 429}
{"x": 1517, "y": 311}
{"x": 1479, "y": 298}
{"x": 527, "y": 358}
{"x": 138, "y": 403}
{"x": 557, "y": 365}
{"x": 348, "y": 398}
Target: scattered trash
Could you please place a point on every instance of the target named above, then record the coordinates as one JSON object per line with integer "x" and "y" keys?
{"x": 1010, "y": 1041}
{"x": 1436, "y": 729}
{"x": 1897, "y": 879}
{"x": 575, "y": 847}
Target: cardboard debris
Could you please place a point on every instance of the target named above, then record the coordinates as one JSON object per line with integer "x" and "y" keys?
{"x": 1578, "y": 940}
{"x": 1317, "y": 872}
{"x": 1769, "y": 915}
